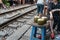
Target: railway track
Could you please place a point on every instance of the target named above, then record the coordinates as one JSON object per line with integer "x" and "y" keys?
{"x": 11, "y": 13}
{"x": 5, "y": 18}
{"x": 15, "y": 27}
{"x": 4, "y": 11}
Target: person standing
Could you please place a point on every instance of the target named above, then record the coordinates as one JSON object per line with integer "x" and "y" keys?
{"x": 54, "y": 14}
{"x": 40, "y": 7}
{"x": 11, "y": 2}
{"x": 31, "y": 1}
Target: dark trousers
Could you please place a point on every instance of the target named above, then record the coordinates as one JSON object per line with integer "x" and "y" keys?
{"x": 40, "y": 8}
{"x": 56, "y": 22}
{"x": 15, "y": 2}
{"x": 11, "y": 2}
{"x": 1, "y": 5}
{"x": 31, "y": 1}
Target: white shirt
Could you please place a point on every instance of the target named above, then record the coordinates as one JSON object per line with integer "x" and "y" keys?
{"x": 40, "y": 2}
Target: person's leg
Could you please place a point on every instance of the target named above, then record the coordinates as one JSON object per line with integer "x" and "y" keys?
{"x": 15, "y": 2}
{"x": 11, "y": 2}
{"x": 38, "y": 8}
{"x": 55, "y": 17}
{"x": 3, "y": 5}
{"x": 58, "y": 25}
{"x": 45, "y": 10}
{"x": 0, "y": 5}
{"x": 54, "y": 25}
{"x": 41, "y": 10}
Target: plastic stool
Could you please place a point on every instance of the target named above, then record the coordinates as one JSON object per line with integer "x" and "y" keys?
{"x": 34, "y": 30}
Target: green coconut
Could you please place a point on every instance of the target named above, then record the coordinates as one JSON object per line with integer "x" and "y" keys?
{"x": 45, "y": 19}
{"x": 36, "y": 19}
{"x": 41, "y": 21}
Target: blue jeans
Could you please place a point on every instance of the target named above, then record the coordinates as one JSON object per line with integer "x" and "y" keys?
{"x": 40, "y": 8}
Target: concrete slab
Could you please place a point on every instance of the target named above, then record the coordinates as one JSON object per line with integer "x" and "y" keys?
{"x": 31, "y": 14}
{"x": 9, "y": 31}
{"x": 2, "y": 33}
{"x": 21, "y": 20}
{"x": 27, "y": 35}
{"x": 7, "y": 16}
{"x": 13, "y": 26}
{"x": 15, "y": 22}
{"x": 18, "y": 33}
{"x": 29, "y": 22}
{"x": 20, "y": 24}
{"x": 4, "y": 20}
{"x": 0, "y": 38}
{"x": 27, "y": 17}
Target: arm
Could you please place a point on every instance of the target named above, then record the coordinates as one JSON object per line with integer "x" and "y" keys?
{"x": 51, "y": 16}
{"x": 55, "y": 10}
{"x": 51, "y": 22}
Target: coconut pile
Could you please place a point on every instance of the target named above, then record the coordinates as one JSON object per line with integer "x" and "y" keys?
{"x": 40, "y": 21}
